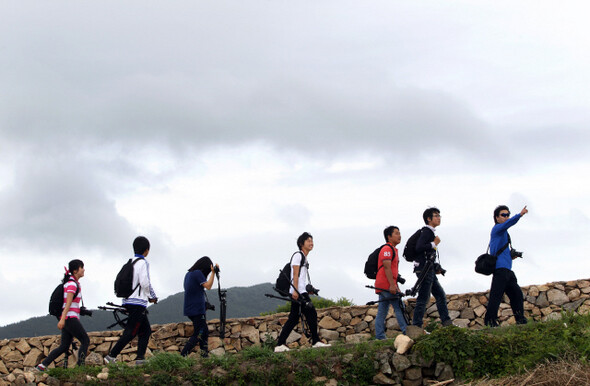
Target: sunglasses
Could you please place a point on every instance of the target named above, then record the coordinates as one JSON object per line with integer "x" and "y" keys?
{"x": 505, "y": 214}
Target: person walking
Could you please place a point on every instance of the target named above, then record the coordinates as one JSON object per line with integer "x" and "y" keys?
{"x": 136, "y": 305}
{"x": 69, "y": 322}
{"x": 504, "y": 280}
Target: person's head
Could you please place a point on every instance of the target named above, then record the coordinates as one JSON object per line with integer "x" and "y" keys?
{"x": 431, "y": 217}
{"x": 501, "y": 214}
{"x": 141, "y": 246}
{"x": 392, "y": 235}
{"x": 75, "y": 268}
{"x": 203, "y": 264}
{"x": 305, "y": 240}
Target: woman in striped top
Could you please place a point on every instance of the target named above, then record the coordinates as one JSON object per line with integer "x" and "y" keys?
{"x": 69, "y": 323}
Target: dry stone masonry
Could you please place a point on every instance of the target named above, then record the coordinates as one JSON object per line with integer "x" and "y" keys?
{"x": 345, "y": 324}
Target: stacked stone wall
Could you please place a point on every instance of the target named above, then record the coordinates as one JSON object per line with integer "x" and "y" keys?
{"x": 346, "y": 324}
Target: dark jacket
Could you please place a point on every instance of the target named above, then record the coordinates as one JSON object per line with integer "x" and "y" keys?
{"x": 423, "y": 247}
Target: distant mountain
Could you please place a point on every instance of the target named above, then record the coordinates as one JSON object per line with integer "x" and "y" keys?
{"x": 241, "y": 302}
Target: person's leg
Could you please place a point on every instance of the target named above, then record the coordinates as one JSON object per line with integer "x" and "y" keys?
{"x": 143, "y": 336}
{"x": 514, "y": 293}
{"x": 311, "y": 315}
{"x": 399, "y": 315}
{"x": 194, "y": 339}
{"x": 64, "y": 345}
{"x": 204, "y": 344}
{"x": 382, "y": 309}
{"x": 499, "y": 281}
{"x": 77, "y": 330}
{"x": 441, "y": 302}
{"x": 290, "y": 324}
{"x": 423, "y": 298}
{"x": 131, "y": 329}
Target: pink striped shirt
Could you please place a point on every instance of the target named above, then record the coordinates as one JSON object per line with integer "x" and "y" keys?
{"x": 70, "y": 288}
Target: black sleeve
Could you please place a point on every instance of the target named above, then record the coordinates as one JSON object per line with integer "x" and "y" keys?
{"x": 424, "y": 243}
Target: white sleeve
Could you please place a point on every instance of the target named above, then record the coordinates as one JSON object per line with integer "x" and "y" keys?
{"x": 296, "y": 259}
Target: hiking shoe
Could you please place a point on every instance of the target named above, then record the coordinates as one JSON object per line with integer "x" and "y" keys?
{"x": 447, "y": 322}
{"x": 320, "y": 344}
{"x": 109, "y": 359}
{"x": 40, "y": 367}
{"x": 281, "y": 348}
{"x": 140, "y": 362}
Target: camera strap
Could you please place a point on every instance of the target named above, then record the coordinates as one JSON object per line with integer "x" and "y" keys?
{"x": 509, "y": 243}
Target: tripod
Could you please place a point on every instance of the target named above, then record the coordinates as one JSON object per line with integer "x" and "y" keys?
{"x": 397, "y": 297}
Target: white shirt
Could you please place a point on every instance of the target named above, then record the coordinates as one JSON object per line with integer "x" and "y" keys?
{"x": 302, "y": 273}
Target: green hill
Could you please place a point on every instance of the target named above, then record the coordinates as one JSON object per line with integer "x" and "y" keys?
{"x": 241, "y": 302}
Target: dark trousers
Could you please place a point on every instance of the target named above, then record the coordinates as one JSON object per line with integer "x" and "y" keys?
{"x": 310, "y": 315}
{"x": 72, "y": 329}
{"x": 430, "y": 285}
{"x": 137, "y": 324}
{"x": 504, "y": 281}
{"x": 200, "y": 336}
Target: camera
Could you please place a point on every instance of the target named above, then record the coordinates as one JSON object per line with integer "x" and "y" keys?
{"x": 209, "y": 306}
{"x": 438, "y": 269}
{"x": 85, "y": 311}
{"x": 400, "y": 279}
{"x": 514, "y": 254}
{"x": 311, "y": 290}
{"x": 216, "y": 270}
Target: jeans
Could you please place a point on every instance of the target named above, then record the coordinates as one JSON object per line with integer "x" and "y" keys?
{"x": 200, "y": 328}
{"x": 504, "y": 281}
{"x": 72, "y": 328}
{"x": 430, "y": 285}
{"x": 386, "y": 299}
{"x": 310, "y": 315}
{"x": 137, "y": 324}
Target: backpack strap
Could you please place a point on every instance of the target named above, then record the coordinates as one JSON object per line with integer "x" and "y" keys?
{"x": 392, "y": 251}
{"x": 133, "y": 264}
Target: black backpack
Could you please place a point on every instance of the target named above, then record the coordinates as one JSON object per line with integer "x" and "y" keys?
{"x": 56, "y": 301}
{"x": 283, "y": 283}
{"x": 124, "y": 281}
{"x": 410, "y": 253}
{"x": 371, "y": 265}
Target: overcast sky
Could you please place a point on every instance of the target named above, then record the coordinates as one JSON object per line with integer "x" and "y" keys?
{"x": 228, "y": 128}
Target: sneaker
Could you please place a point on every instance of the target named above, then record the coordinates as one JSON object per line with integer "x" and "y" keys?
{"x": 40, "y": 367}
{"x": 447, "y": 322}
{"x": 140, "y": 362}
{"x": 281, "y": 348}
{"x": 320, "y": 344}
{"x": 109, "y": 359}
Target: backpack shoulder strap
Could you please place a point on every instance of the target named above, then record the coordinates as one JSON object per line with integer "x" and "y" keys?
{"x": 303, "y": 260}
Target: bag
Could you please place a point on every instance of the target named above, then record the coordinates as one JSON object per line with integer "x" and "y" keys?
{"x": 283, "y": 282}
{"x": 410, "y": 253}
{"x": 371, "y": 265}
{"x": 56, "y": 301}
{"x": 124, "y": 281}
{"x": 486, "y": 263}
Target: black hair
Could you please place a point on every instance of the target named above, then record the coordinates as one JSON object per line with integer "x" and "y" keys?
{"x": 301, "y": 239}
{"x": 72, "y": 266}
{"x": 140, "y": 245}
{"x": 497, "y": 211}
{"x": 203, "y": 264}
{"x": 387, "y": 232}
{"x": 429, "y": 214}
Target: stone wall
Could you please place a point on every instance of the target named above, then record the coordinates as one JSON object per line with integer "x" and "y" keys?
{"x": 346, "y": 324}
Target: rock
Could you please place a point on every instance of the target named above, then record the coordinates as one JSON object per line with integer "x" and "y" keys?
{"x": 293, "y": 337}
{"x": 382, "y": 379}
{"x": 329, "y": 323}
{"x": 3, "y": 369}
{"x": 413, "y": 373}
{"x": 542, "y": 300}
{"x": 329, "y": 334}
{"x": 29, "y": 377}
{"x": 557, "y": 297}
{"x": 220, "y": 351}
{"x": 32, "y": 358}
{"x": 362, "y": 326}
{"x": 251, "y": 333}
{"x": 533, "y": 291}
{"x": 358, "y": 338}
{"x": 400, "y": 362}
{"x": 402, "y": 344}
{"x": 23, "y": 346}
{"x": 480, "y": 310}
{"x": 102, "y": 376}
{"x": 583, "y": 284}
{"x": 414, "y": 332}
{"x": 573, "y": 306}
{"x": 463, "y": 323}
{"x": 13, "y": 356}
{"x": 574, "y": 294}
{"x": 467, "y": 313}
{"x": 103, "y": 348}
{"x": 456, "y": 305}
{"x": 94, "y": 359}
{"x": 446, "y": 374}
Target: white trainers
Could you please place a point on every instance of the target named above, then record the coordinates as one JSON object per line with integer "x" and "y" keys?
{"x": 321, "y": 344}
{"x": 281, "y": 348}
{"x": 109, "y": 359}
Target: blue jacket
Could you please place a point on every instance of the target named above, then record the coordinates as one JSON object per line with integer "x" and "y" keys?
{"x": 194, "y": 293}
{"x": 499, "y": 238}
